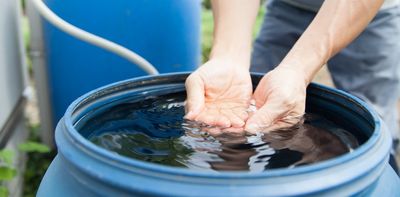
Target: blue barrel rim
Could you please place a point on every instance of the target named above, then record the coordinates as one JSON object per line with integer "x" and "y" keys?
{"x": 89, "y": 146}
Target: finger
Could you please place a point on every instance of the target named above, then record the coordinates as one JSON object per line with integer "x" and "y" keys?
{"x": 207, "y": 116}
{"x": 287, "y": 122}
{"x": 222, "y": 121}
{"x": 242, "y": 114}
{"x": 195, "y": 96}
{"x": 276, "y": 126}
{"x": 259, "y": 98}
{"x": 212, "y": 117}
{"x": 234, "y": 120}
{"x": 265, "y": 117}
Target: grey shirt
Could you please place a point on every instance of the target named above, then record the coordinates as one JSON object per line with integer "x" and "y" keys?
{"x": 314, "y": 5}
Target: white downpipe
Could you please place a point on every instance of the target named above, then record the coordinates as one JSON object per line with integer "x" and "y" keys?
{"x": 93, "y": 39}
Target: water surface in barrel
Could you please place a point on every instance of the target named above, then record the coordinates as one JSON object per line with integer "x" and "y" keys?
{"x": 153, "y": 130}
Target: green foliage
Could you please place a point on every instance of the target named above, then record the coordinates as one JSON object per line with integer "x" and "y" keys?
{"x": 32, "y": 146}
{"x": 6, "y": 156}
{"x": 206, "y": 4}
{"x": 7, "y": 170}
{"x": 259, "y": 21}
{"x": 37, "y": 164}
{"x": 27, "y": 40}
{"x": 36, "y": 167}
{"x": 23, "y": 4}
{"x": 207, "y": 32}
{"x": 3, "y": 191}
{"x": 7, "y": 173}
{"x": 39, "y": 159}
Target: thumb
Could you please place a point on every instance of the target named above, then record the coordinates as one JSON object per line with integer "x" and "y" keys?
{"x": 195, "y": 96}
{"x": 264, "y": 118}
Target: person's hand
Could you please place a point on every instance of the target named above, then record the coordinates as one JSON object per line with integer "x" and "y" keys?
{"x": 280, "y": 99}
{"x": 218, "y": 94}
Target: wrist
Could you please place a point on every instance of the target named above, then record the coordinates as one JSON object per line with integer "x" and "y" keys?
{"x": 238, "y": 55}
{"x": 306, "y": 63}
{"x": 302, "y": 76}
{"x": 308, "y": 55}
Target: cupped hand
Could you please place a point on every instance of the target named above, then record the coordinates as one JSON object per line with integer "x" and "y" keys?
{"x": 218, "y": 94}
{"x": 280, "y": 100}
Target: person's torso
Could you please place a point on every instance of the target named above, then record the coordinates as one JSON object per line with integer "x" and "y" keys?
{"x": 314, "y": 5}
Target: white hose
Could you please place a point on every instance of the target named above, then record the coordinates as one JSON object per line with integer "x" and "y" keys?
{"x": 93, "y": 39}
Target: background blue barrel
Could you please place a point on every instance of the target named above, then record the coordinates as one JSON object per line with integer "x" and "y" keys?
{"x": 166, "y": 33}
{"x": 82, "y": 168}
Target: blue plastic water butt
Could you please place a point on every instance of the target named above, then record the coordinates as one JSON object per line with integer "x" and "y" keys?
{"x": 83, "y": 169}
{"x": 166, "y": 33}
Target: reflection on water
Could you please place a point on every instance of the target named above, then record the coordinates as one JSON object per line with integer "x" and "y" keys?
{"x": 153, "y": 130}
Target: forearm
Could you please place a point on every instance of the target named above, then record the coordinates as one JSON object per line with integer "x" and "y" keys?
{"x": 233, "y": 26}
{"x": 336, "y": 24}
